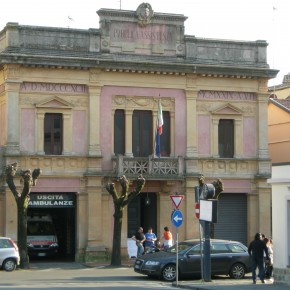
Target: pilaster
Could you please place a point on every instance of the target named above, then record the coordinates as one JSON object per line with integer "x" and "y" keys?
{"x": 215, "y": 138}
{"x": 129, "y": 132}
{"x": 13, "y": 117}
{"x": 94, "y": 120}
{"x": 39, "y": 133}
{"x": 67, "y": 133}
{"x": 191, "y": 121}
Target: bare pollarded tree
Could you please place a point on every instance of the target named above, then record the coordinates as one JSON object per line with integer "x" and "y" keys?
{"x": 22, "y": 199}
{"x": 121, "y": 200}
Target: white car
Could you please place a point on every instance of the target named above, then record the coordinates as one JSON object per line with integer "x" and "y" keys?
{"x": 9, "y": 254}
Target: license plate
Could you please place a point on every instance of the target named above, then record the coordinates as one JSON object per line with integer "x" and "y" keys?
{"x": 137, "y": 267}
{"x": 41, "y": 254}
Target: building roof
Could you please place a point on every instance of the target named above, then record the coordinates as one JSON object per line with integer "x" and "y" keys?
{"x": 284, "y": 104}
{"x": 125, "y": 43}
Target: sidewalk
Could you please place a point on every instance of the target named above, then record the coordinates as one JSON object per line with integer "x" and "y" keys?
{"x": 225, "y": 283}
{"x": 217, "y": 283}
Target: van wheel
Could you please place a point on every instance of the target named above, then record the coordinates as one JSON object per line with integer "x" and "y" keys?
{"x": 9, "y": 265}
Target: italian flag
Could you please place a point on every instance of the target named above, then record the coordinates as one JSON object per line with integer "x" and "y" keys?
{"x": 159, "y": 118}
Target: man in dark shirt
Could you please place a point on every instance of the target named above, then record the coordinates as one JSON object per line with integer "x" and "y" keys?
{"x": 139, "y": 238}
{"x": 256, "y": 249}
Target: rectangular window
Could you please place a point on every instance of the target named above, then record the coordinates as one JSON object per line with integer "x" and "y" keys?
{"x": 226, "y": 138}
{"x": 142, "y": 143}
{"x": 119, "y": 132}
{"x": 142, "y": 133}
{"x": 53, "y": 134}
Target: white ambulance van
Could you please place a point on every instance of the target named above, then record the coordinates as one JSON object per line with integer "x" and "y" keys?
{"x": 41, "y": 236}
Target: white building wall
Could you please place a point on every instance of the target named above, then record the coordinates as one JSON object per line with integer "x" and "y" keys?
{"x": 281, "y": 218}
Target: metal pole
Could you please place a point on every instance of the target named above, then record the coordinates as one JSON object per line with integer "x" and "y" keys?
{"x": 201, "y": 248}
{"x": 206, "y": 255}
{"x": 177, "y": 257}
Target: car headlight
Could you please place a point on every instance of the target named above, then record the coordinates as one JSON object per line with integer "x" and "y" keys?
{"x": 54, "y": 245}
{"x": 30, "y": 245}
{"x": 152, "y": 263}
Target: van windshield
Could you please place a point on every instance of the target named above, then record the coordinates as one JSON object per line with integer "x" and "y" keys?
{"x": 36, "y": 228}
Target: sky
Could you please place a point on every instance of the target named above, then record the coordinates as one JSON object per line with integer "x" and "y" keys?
{"x": 247, "y": 20}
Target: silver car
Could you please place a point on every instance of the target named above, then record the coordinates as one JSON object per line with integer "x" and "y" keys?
{"x": 9, "y": 254}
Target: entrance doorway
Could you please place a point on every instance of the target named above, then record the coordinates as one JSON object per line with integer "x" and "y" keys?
{"x": 60, "y": 207}
{"x": 142, "y": 211}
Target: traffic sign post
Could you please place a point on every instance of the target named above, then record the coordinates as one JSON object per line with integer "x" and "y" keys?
{"x": 177, "y": 219}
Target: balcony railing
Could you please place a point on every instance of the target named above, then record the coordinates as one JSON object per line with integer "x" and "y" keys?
{"x": 165, "y": 167}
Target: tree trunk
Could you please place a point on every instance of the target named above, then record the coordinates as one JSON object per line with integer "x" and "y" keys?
{"x": 22, "y": 236}
{"x": 116, "y": 259}
{"x": 22, "y": 200}
{"x": 120, "y": 202}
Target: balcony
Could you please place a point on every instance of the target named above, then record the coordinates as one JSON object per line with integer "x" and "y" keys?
{"x": 150, "y": 167}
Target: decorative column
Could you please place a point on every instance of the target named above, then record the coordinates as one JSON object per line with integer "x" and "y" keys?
{"x": 67, "y": 133}
{"x": 94, "y": 112}
{"x": 172, "y": 133}
{"x": 238, "y": 141}
{"x": 215, "y": 138}
{"x": 129, "y": 132}
{"x": 39, "y": 133}
{"x": 94, "y": 120}
{"x": 82, "y": 221}
{"x": 264, "y": 162}
{"x": 13, "y": 117}
{"x": 191, "y": 223}
{"x": 264, "y": 191}
{"x": 96, "y": 249}
{"x": 191, "y": 120}
{"x": 262, "y": 120}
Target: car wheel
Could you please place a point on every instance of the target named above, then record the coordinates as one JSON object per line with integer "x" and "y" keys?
{"x": 9, "y": 265}
{"x": 237, "y": 271}
{"x": 169, "y": 273}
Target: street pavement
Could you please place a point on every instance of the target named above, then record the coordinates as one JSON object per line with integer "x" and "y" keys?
{"x": 217, "y": 282}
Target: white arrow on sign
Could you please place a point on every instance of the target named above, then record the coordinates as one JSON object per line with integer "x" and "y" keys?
{"x": 177, "y": 218}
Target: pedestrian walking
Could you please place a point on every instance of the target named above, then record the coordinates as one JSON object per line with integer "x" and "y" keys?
{"x": 257, "y": 249}
{"x": 139, "y": 238}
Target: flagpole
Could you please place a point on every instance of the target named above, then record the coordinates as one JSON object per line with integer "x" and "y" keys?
{"x": 155, "y": 130}
{"x": 159, "y": 126}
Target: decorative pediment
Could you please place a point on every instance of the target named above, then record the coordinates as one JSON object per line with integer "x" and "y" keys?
{"x": 227, "y": 109}
{"x": 54, "y": 102}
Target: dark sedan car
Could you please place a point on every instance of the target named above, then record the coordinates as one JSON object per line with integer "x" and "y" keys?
{"x": 227, "y": 258}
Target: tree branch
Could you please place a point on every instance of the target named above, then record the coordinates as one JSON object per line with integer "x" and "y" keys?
{"x": 140, "y": 182}
{"x": 112, "y": 190}
{"x": 10, "y": 173}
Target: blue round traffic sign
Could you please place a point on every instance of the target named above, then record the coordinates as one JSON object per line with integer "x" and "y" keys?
{"x": 177, "y": 218}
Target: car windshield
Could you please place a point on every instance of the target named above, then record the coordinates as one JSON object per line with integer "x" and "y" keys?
{"x": 40, "y": 228}
{"x": 182, "y": 248}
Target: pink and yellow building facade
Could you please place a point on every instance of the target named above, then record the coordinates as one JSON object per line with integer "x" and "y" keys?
{"x": 82, "y": 106}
